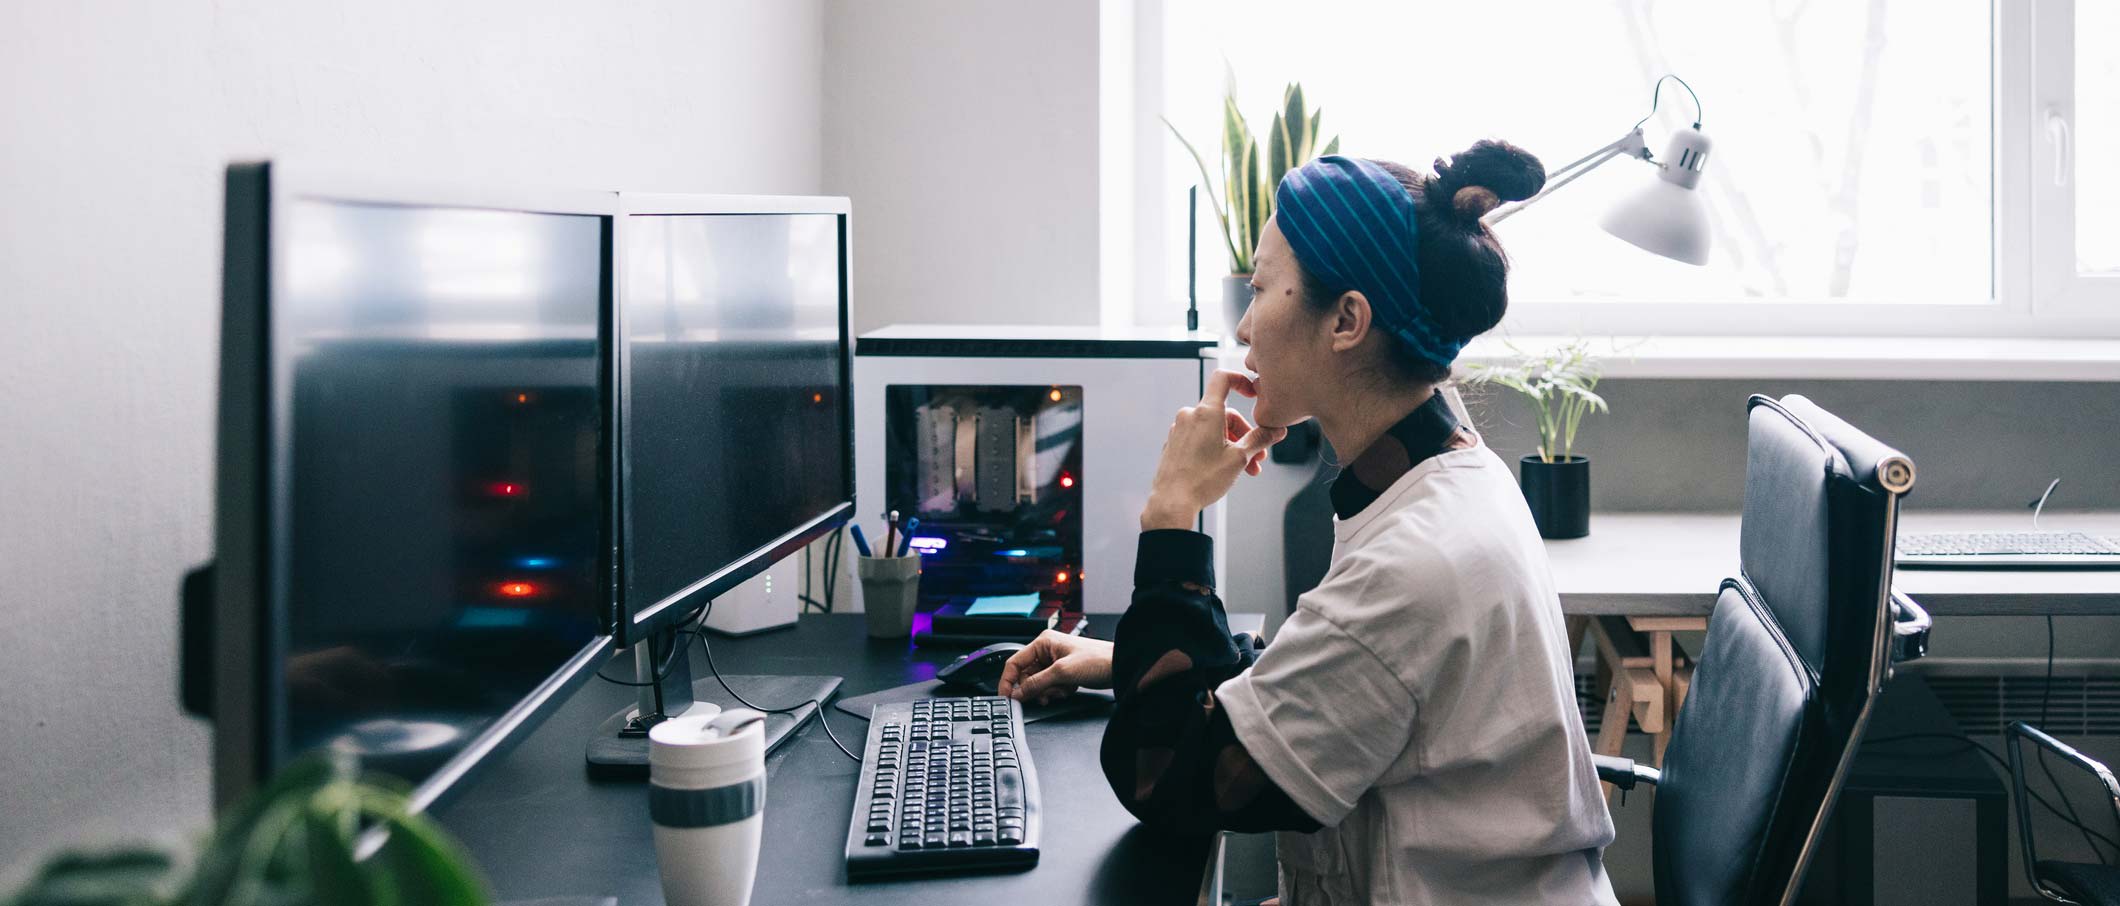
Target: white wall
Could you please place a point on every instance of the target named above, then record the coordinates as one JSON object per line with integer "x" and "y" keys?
{"x": 115, "y": 121}
{"x": 967, "y": 136}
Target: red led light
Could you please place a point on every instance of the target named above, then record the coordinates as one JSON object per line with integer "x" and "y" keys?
{"x": 518, "y": 589}
{"x": 522, "y": 397}
{"x": 1060, "y": 577}
{"x": 505, "y": 489}
{"x": 1067, "y": 481}
{"x": 817, "y": 397}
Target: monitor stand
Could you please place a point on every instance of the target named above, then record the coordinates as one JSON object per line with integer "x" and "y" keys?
{"x": 619, "y": 748}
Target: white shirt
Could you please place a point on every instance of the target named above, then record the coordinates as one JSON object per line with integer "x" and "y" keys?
{"x": 1420, "y": 704}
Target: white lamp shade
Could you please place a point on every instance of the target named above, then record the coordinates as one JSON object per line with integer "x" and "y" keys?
{"x": 1668, "y": 216}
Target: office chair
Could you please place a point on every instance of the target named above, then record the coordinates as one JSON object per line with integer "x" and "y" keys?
{"x": 2087, "y": 883}
{"x": 1799, "y": 645}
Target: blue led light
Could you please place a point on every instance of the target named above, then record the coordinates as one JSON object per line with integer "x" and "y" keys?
{"x": 492, "y": 618}
{"x": 534, "y": 562}
{"x": 929, "y": 544}
{"x": 1015, "y": 552}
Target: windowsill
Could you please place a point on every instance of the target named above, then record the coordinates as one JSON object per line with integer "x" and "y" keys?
{"x": 1832, "y": 358}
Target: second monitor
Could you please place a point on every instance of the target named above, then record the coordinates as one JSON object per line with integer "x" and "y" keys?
{"x": 734, "y": 433}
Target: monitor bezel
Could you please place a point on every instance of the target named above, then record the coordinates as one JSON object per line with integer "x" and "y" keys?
{"x": 633, "y": 624}
{"x": 253, "y": 462}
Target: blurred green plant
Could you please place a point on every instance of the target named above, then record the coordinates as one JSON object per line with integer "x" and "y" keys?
{"x": 1561, "y": 384}
{"x": 1248, "y": 183}
{"x": 297, "y": 842}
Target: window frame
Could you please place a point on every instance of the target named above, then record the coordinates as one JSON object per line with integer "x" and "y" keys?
{"x": 2034, "y": 293}
{"x": 2057, "y": 289}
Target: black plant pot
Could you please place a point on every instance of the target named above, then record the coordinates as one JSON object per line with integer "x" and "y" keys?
{"x": 1559, "y": 495}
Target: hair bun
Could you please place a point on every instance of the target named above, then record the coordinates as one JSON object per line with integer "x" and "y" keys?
{"x": 1473, "y": 202}
{"x": 1486, "y": 175}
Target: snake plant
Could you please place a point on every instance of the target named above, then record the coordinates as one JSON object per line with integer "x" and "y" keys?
{"x": 1248, "y": 182}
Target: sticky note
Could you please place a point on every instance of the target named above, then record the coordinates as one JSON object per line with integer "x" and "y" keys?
{"x": 1003, "y": 605}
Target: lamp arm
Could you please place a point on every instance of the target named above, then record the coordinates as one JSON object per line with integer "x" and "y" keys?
{"x": 1630, "y": 145}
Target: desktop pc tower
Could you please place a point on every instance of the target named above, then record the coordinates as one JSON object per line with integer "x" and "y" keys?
{"x": 1026, "y": 454}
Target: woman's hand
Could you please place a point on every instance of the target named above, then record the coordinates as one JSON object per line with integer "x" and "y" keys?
{"x": 1054, "y": 665}
{"x": 1208, "y": 445}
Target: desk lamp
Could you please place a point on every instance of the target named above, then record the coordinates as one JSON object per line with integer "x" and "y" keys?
{"x": 1667, "y": 216}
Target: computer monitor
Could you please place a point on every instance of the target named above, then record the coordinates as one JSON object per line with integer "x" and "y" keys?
{"x": 735, "y": 431}
{"x": 413, "y": 503}
{"x": 735, "y": 437}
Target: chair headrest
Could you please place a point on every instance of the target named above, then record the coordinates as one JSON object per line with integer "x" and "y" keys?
{"x": 1796, "y": 454}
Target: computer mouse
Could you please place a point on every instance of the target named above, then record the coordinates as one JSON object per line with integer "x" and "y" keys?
{"x": 980, "y": 669}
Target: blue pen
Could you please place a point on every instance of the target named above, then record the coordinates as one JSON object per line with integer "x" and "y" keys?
{"x": 860, "y": 543}
{"x": 906, "y": 547}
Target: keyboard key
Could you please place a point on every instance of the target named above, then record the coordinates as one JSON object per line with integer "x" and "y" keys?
{"x": 1008, "y": 837}
{"x": 879, "y": 840}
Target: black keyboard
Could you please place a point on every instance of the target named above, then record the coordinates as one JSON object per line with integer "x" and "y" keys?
{"x": 946, "y": 786}
{"x": 2007, "y": 549}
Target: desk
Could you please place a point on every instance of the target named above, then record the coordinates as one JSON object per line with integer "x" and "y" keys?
{"x": 1661, "y": 573}
{"x": 540, "y": 828}
{"x": 1672, "y": 564}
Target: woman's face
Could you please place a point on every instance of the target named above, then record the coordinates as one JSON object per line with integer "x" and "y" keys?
{"x": 1291, "y": 354}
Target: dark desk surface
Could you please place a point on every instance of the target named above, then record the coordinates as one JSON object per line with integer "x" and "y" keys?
{"x": 540, "y": 828}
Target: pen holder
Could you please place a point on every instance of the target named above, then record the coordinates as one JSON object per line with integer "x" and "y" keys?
{"x": 890, "y": 589}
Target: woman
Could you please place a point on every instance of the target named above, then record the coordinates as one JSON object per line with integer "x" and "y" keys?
{"x": 1412, "y": 730}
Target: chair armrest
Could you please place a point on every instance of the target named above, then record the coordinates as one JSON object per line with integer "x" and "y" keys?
{"x": 2021, "y": 730}
{"x": 1910, "y": 628}
{"x": 2018, "y": 731}
{"x": 1624, "y": 772}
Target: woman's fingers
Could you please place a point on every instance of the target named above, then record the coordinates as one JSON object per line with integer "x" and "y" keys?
{"x": 1022, "y": 665}
{"x": 1216, "y": 391}
{"x": 1256, "y": 441}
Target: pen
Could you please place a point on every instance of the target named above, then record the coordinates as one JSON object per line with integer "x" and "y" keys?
{"x": 905, "y": 546}
{"x": 890, "y": 533}
{"x": 860, "y": 543}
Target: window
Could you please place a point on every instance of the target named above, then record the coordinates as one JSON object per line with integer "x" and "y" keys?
{"x": 1870, "y": 167}
{"x": 2075, "y": 188}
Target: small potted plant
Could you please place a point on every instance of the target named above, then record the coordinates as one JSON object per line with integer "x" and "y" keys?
{"x": 297, "y": 842}
{"x": 1248, "y": 183}
{"x": 1561, "y": 385}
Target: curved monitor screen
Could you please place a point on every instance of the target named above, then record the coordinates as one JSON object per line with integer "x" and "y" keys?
{"x": 734, "y": 420}
{"x": 444, "y": 471}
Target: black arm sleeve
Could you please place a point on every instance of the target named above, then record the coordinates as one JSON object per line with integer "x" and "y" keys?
{"x": 1169, "y": 751}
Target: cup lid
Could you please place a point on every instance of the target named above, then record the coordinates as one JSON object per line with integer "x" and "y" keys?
{"x": 708, "y": 740}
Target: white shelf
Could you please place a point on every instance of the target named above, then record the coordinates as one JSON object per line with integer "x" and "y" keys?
{"x": 1834, "y": 358}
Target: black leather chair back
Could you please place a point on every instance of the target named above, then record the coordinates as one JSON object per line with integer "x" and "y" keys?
{"x": 1798, "y": 645}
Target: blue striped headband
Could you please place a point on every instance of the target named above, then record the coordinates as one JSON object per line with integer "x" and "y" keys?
{"x": 1351, "y": 225}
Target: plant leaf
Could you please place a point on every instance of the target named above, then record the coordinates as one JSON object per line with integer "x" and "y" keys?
{"x": 1262, "y": 196}
{"x": 427, "y": 868}
{"x": 1208, "y": 180}
{"x": 1331, "y": 147}
{"x": 118, "y": 877}
{"x": 1278, "y": 150}
{"x": 335, "y": 879}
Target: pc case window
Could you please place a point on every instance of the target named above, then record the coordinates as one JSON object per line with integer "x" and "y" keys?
{"x": 994, "y": 473}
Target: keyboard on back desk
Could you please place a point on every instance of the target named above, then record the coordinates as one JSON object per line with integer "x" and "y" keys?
{"x": 946, "y": 785}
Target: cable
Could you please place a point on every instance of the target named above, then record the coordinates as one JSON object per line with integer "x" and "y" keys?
{"x": 2039, "y": 506}
{"x": 1975, "y": 745}
{"x": 832, "y": 552}
{"x": 1656, "y": 97}
{"x": 703, "y": 646}
{"x": 662, "y": 672}
{"x": 2046, "y": 695}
